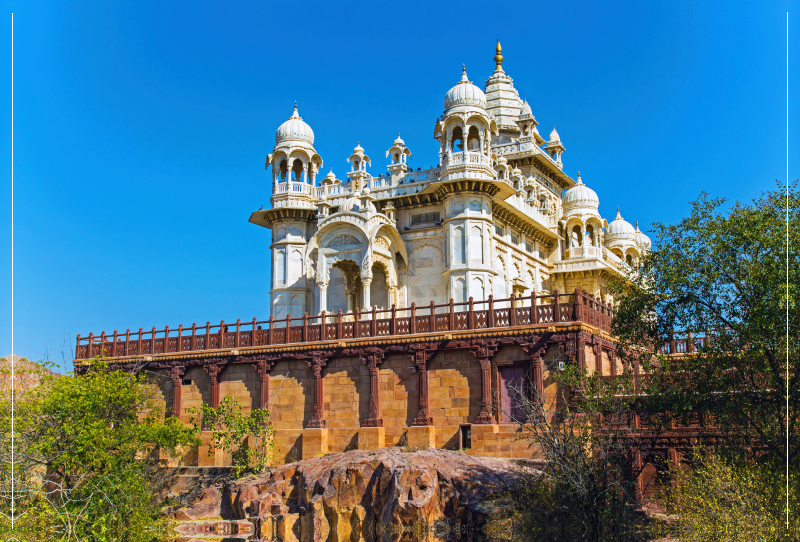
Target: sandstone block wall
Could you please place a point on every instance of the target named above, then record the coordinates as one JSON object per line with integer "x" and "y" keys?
{"x": 454, "y": 401}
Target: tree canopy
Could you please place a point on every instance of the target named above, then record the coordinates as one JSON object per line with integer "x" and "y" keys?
{"x": 731, "y": 275}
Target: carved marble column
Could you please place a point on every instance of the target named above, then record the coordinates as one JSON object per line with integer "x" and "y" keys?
{"x": 373, "y": 358}
{"x": 365, "y": 284}
{"x": 318, "y": 361}
{"x": 484, "y": 354}
{"x": 176, "y": 375}
{"x": 213, "y": 371}
{"x": 323, "y": 296}
{"x": 537, "y": 377}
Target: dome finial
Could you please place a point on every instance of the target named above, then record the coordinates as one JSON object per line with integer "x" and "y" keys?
{"x": 579, "y": 178}
{"x": 498, "y": 57}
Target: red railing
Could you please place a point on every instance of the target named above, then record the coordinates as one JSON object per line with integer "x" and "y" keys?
{"x": 491, "y": 313}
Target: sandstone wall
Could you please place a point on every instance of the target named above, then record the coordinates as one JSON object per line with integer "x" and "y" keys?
{"x": 454, "y": 400}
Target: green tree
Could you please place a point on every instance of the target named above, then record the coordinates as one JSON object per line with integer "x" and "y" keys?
{"x": 249, "y": 438}
{"x": 722, "y": 273}
{"x": 86, "y": 446}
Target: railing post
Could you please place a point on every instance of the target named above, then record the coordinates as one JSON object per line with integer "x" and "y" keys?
{"x": 339, "y": 330}
{"x": 323, "y": 333}
{"x": 139, "y": 342}
{"x": 672, "y": 340}
{"x": 103, "y": 343}
{"x": 356, "y": 323}
{"x": 180, "y": 337}
{"x": 512, "y": 311}
{"x": 78, "y": 347}
{"x": 556, "y": 307}
{"x": 254, "y": 333}
{"x": 471, "y": 314}
{"x": 432, "y": 321}
{"x": 287, "y": 337}
{"x": 114, "y": 346}
{"x": 452, "y": 325}
{"x": 577, "y": 312}
{"x": 304, "y": 336}
{"x": 166, "y": 339}
{"x": 238, "y": 332}
{"x": 206, "y": 343}
{"x": 221, "y": 334}
{"x": 412, "y": 321}
{"x": 271, "y": 330}
{"x": 153, "y": 341}
{"x": 689, "y": 342}
{"x": 127, "y": 342}
{"x": 393, "y": 322}
{"x": 534, "y": 313}
{"x": 373, "y": 325}
{"x": 193, "y": 345}
{"x": 490, "y": 312}
{"x": 89, "y": 346}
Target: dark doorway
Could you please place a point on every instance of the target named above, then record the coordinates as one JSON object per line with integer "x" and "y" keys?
{"x": 512, "y": 379}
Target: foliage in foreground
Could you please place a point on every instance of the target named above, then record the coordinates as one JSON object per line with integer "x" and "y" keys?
{"x": 84, "y": 459}
{"x": 249, "y": 438}
{"x": 724, "y": 501}
{"x": 587, "y": 489}
{"x": 723, "y": 273}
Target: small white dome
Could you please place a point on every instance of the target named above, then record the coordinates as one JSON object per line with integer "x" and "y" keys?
{"x": 516, "y": 172}
{"x": 294, "y": 129}
{"x": 580, "y": 196}
{"x": 354, "y": 205}
{"x": 641, "y": 239}
{"x": 464, "y": 93}
{"x": 554, "y": 138}
{"x": 358, "y": 148}
{"x": 526, "y": 110}
{"x": 399, "y": 142}
{"x": 620, "y": 228}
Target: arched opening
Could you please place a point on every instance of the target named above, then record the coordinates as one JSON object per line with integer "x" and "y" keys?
{"x": 476, "y": 289}
{"x": 458, "y": 245}
{"x": 618, "y": 253}
{"x": 283, "y": 170}
{"x": 458, "y": 139}
{"x": 396, "y": 158}
{"x": 473, "y": 139}
{"x": 378, "y": 291}
{"x": 501, "y": 175}
{"x": 475, "y": 245}
{"x": 337, "y": 291}
{"x": 356, "y": 165}
{"x": 297, "y": 171}
{"x": 590, "y": 235}
{"x": 460, "y": 291}
{"x": 576, "y": 236}
{"x": 280, "y": 268}
{"x": 629, "y": 260}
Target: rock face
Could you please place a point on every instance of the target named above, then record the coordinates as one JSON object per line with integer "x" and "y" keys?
{"x": 384, "y": 494}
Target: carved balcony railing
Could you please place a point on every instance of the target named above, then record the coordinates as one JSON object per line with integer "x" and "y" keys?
{"x": 491, "y": 313}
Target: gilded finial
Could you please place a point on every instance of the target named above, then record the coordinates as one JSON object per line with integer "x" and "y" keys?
{"x": 295, "y": 104}
{"x": 463, "y": 68}
{"x": 498, "y": 57}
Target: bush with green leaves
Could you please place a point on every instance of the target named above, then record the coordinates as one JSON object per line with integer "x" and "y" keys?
{"x": 85, "y": 452}
{"x": 729, "y": 501}
{"x": 249, "y": 438}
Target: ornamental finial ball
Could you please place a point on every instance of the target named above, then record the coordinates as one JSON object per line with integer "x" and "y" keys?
{"x": 498, "y": 57}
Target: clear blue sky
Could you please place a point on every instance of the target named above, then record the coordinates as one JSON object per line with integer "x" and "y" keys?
{"x": 141, "y": 130}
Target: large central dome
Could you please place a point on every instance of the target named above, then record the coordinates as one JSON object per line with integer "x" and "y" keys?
{"x": 464, "y": 93}
{"x": 294, "y": 129}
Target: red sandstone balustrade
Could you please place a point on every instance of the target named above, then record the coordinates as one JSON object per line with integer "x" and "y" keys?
{"x": 452, "y": 316}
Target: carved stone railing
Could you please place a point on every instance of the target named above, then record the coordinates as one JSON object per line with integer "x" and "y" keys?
{"x": 491, "y": 313}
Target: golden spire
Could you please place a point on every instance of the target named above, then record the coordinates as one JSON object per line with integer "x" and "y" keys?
{"x": 498, "y": 57}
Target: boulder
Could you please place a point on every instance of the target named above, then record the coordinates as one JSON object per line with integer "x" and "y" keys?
{"x": 365, "y": 495}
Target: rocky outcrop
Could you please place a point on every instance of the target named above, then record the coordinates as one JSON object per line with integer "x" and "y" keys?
{"x": 360, "y": 495}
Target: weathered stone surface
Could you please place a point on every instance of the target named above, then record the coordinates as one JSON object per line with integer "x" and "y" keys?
{"x": 363, "y": 495}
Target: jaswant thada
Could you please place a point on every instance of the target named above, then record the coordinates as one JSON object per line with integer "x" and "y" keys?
{"x": 498, "y": 215}
{"x": 405, "y": 304}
